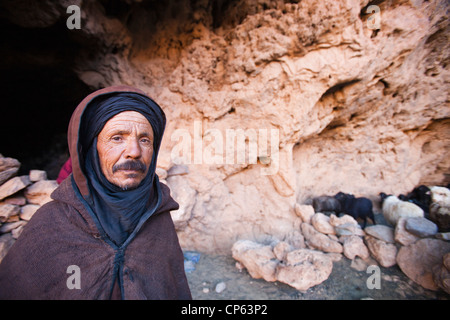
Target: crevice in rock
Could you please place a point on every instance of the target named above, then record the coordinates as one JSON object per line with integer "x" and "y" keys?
{"x": 337, "y": 87}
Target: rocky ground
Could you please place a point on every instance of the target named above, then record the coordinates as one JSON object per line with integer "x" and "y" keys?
{"x": 344, "y": 283}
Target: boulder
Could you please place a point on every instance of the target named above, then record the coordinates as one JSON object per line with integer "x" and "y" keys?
{"x": 319, "y": 240}
{"x": 27, "y": 211}
{"x": 16, "y": 200}
{"x": 381, "y": 232}
{"x": 418, "y": 260}
{"x": 321, "y": 223}
{"x": 8, "y": 168}
{"x": 403, "y": 236}
{"x": 421, "y": 227}
{"x": 349, "y": 229}
{"x": 17, "y": 232}
{"x": 281, "y": 249}
{"x": 39, "y": 192}
{"x": 304, "y": 268}
{"x": 344, "y": 219}
{"x": 14, "y": 185}
{"x": 7, "y": 174}
{"x": 385, "y": 253}
{"x": 441, "y": 273}
{"x": 440, "y": 207}
{"x": 6, "y": 242}
{"x": 7, "y": 163}
{"x": 10, "y": 226}
{"x": 354, "y": 246}
{"x": 305, "y": 212}
{"x": 37, "y": 175}
{"x": 7, "y": 211}
{"x": 258, "y": 259}
{"x": 443, "y": 236}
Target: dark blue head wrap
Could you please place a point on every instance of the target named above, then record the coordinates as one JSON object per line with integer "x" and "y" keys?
{"x": 118, "y": 211}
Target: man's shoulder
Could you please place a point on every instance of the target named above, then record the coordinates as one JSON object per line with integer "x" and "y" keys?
{"x": 65, "y": 208}
{"x": 167, "y": 202}
{"x": 64, "y": 192}
{"x": 50, "y": 214}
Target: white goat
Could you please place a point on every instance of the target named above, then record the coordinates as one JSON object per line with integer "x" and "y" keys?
{"x": 393, "y": 209}
{"x": 440, "y": 207}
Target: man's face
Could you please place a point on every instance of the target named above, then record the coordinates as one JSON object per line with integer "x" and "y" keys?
{"x": 125, "y": 149}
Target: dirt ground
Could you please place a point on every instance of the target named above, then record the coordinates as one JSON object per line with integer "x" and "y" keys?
{"x": 344, "y": 283}
{"x": 348, "y": 281}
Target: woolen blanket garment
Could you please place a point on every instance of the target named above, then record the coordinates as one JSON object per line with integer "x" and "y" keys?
{"x": 64, "y": 233}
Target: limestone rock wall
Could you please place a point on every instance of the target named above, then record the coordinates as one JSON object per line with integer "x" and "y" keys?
{"x": 356, "y": 109}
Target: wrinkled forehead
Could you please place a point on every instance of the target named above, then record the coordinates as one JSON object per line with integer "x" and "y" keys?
{"x": 128, "y": 121}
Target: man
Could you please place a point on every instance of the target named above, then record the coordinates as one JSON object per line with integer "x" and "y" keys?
{"x": 108, "y": 234}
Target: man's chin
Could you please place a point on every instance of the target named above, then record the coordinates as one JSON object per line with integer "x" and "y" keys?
{"x": 129, "y": 187}
{"x": 129, "y": 183}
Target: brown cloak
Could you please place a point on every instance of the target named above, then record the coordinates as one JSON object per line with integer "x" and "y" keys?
{"x": 62, "y": 234}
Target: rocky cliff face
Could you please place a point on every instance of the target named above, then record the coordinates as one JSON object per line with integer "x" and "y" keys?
{"x": 326, "y": 96}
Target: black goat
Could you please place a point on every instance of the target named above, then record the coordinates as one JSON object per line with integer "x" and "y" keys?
{"x": 326, "y": 204}
{"x": 419, "y": 196}
{"x": 356, "y": 207}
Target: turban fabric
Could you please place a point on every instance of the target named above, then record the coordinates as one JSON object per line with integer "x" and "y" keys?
{"x": 118, "y": 211}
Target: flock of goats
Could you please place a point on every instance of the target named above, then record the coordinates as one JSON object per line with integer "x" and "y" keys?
{"x": 432, "y": 203}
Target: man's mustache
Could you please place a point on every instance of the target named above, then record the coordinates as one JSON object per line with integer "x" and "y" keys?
{"x": 135, "y": 165}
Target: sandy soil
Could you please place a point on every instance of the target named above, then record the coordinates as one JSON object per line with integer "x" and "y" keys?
{"x": 344, "y": 283}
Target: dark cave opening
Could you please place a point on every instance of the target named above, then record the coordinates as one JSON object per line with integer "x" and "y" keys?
{"x": 39, "y": 91}
{"x": 38, "y": 84}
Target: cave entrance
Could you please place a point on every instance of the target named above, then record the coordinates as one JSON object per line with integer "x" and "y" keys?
{"x": 39, "y": 92}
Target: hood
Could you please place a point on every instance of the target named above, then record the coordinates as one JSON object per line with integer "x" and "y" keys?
{"x": 73, "y": 133}
{"x": 166, "y": 204}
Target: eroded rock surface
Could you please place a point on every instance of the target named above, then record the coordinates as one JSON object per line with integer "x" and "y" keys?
{"x": 352, "y": 108}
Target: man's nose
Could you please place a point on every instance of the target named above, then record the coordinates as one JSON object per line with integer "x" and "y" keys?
{"x": 133, "y": 149}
